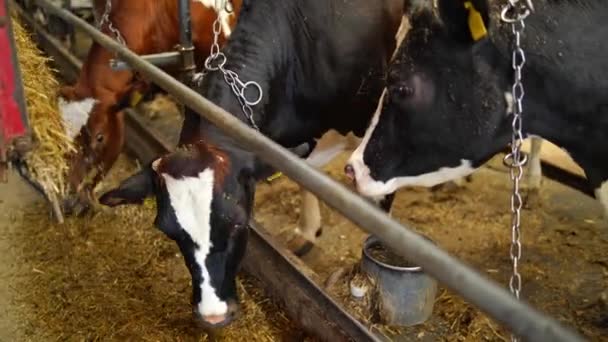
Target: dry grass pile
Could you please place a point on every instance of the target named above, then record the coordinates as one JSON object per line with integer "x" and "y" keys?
{"x": 116, "y": 277}
{"x": 46, "y": 162}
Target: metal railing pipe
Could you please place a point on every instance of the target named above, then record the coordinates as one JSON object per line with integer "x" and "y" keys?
{"x": 482, "y": 292}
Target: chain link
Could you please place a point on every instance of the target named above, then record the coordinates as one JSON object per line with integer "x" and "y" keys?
{"x": 217, "y": 61}
{"x": 514, "y": 13}
{"x": 105, "y": 18}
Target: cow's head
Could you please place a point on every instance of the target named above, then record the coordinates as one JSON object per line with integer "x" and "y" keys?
{"x": 97, "y": 127}
{"x": 443, "y": 112}
{"x": 203, "y": 198}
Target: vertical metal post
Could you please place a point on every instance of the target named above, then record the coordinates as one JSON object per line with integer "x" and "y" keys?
{"x": 67, "y": 4}
{"x": 185, "y": 47}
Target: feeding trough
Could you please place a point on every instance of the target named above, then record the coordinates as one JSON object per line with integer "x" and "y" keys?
{"x": 405, "y": 294}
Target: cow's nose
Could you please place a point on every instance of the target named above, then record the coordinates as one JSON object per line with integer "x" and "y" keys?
{"x": 349, "y": 170}
{"x": 211, "y": 322}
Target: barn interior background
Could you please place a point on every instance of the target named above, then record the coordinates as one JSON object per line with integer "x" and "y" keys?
{"x": 113, "y": 276}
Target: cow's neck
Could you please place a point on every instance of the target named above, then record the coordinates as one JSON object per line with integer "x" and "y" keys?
{"x": 302, "y": 57}
{"x": 256, "y": 53}
{"x": 261, "y": 52}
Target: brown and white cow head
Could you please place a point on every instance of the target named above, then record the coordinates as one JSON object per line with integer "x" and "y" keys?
{"x": 97, "y": 127}
{"x": 203, "y": 204}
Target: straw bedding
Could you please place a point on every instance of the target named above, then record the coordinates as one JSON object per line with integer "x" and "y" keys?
{"x": 46, "y": 163}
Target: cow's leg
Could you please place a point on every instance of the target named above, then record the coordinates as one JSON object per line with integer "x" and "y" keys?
{"x": 534, "y": 176}
{"x": 310, "y": 226}
{"x": 601, "y": 194}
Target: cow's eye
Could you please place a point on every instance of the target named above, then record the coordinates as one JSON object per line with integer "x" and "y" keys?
{"x": 99, "y": 137}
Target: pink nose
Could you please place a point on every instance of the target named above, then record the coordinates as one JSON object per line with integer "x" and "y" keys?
{"x": 349, "y": 170}
{"x": 217, "y": 321}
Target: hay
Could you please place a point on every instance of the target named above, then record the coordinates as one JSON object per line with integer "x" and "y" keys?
{"x": 46, "y": 162}
{"x": 116, "y": 277}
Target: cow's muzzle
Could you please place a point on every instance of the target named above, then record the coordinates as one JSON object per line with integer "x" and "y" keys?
{"x": 214, "y": 322}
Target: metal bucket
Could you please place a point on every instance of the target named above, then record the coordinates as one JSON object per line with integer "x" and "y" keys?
{"x": 405, "y": 294}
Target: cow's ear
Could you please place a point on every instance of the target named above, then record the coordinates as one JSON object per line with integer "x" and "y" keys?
{"x": 132, "y": 190}
{"x": 466, "y": 20}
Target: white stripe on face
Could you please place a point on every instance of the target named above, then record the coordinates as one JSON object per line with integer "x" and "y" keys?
{"x": 220, "y": 9}
{"x": 75, "y": 114}
{"x": 404, "y": 27}
{"x": 362, "y": 173}
{"x": 369, "y": 187}
{"x": 356, "y": 160}
{"x": 191, "y": 199}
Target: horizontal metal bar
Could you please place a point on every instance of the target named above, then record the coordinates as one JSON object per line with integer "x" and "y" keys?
{"x": 518, "y": 316}
{"x": 158, "y": 59}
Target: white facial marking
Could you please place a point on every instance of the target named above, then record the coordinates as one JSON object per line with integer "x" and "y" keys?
{"x": 404, "y": 27}
{"x": 220, "y": 8}
{"x": 75, "y": 114}
{"x": 356, "y": 159}
{"x": 377, "y": 189}
{"x": 191, "y": 199}
{"x": 602, "y": 195}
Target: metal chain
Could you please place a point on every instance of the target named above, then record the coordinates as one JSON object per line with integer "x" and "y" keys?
{"x": 217, "y": 60}
{"x": 515, "y": 12}
{"x": 105, "y": 18}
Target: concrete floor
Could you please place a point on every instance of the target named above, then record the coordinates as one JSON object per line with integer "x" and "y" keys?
{"x": 14, "y": 197}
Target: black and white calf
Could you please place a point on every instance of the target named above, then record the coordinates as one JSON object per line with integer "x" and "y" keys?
{"x": 444, "y": 112}
{"x": 320, "y": 65}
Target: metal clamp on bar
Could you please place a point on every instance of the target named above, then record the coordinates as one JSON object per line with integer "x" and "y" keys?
{"x": 158, "y": 59}
{"x": 187, "y": 62}
{"x": 185, "y": 47}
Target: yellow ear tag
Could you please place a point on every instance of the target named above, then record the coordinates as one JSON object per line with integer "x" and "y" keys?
{"x": 136, "y": 97}
{"x": 476, "y": 25}
{"x": 274, "y": 177}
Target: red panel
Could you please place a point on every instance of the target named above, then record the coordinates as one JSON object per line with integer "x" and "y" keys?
{"x": 11, "y": 118}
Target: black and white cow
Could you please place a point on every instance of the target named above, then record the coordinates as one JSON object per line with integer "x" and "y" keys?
{"x": 320, "y": 65}
{"x": 444, "y": 112}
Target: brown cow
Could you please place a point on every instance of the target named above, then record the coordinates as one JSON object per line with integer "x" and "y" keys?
{"x": 92, "y": 108}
